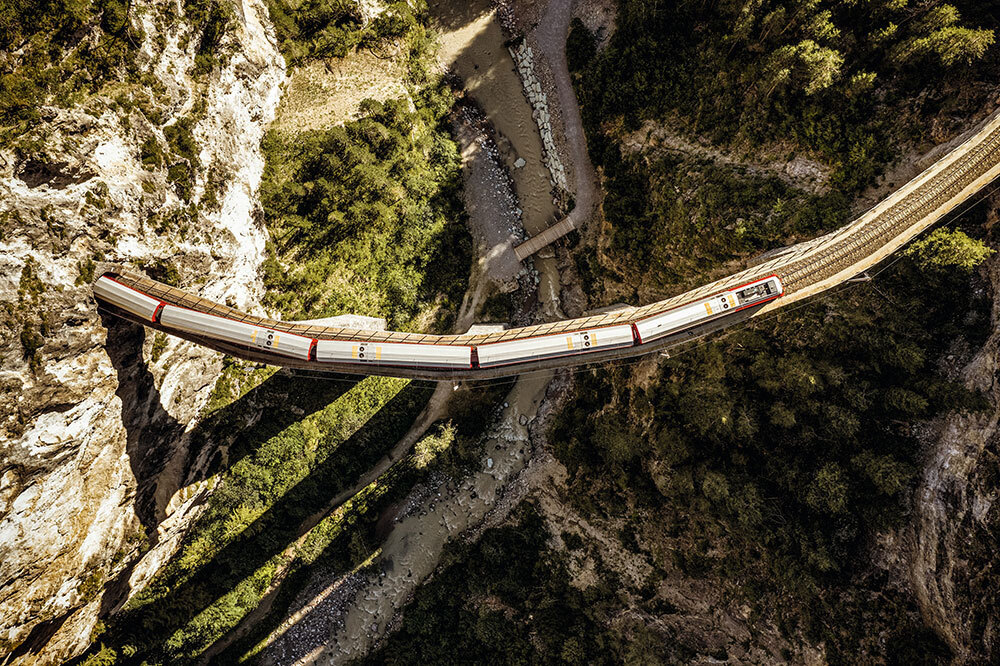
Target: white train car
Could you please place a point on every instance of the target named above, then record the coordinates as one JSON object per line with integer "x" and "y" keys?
{"x": 249, "y": 335}
{"x": 432, "y": 356}
{"x": 733, "y": 300}
{"x": 548, "y": 346}
{"x": 394, "y": 353}
{"x": 128, "y": 299}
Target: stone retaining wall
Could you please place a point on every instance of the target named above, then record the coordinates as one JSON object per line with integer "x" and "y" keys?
{"x": 524, "y": 59}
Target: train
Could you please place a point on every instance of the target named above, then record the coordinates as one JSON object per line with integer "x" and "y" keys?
{"x": 441, "y": 356}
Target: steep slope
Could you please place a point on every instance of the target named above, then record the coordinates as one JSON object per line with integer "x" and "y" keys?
{"x": 93, "y": 456}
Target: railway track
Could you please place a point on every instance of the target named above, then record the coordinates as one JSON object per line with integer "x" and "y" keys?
{"x": 807, "y": 269}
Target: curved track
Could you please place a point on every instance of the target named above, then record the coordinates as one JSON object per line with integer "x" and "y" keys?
{"x": 804, "y": 269}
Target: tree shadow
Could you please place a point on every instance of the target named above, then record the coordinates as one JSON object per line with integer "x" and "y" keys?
{"x": 451, "y": 15}
{"x": 186, "y": 594}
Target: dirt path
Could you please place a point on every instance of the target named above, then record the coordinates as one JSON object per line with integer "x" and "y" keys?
{"x": 549, "y": 36}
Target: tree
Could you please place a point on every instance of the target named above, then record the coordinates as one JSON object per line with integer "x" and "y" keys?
{"x": 806, "y": 65}
{"x": 828, "y": 492}
{"x": 947, "y": 248}
{"x": 938, "y": 36}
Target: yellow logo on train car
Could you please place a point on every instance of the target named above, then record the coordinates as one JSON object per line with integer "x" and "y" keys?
{"x": 364, "y": 352}
{"x": 271, "y": 341}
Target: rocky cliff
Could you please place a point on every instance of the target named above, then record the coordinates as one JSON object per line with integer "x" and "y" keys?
{"x": 96, "y": 482}
{"x": 948, "y": 552}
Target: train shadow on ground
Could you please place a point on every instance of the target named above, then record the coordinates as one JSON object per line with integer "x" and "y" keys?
{"x": 153, "y": 435}
{"x": 283, "y": 399}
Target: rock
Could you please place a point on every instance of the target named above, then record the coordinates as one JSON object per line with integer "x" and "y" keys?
{"x": 519, "y": 164}
{"x": 97, "y": 422}
{"x": 523, "y": 420}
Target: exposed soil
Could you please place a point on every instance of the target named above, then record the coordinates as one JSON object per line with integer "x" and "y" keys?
{"x": 326, "y": 93}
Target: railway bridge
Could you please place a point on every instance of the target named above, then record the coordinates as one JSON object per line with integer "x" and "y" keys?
{"x": 805, "y": 269}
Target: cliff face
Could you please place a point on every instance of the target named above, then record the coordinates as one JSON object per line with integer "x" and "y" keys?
{"x": 94, "y": 467}
{"x": 949, "y": 550}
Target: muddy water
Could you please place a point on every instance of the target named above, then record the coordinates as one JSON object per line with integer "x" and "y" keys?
{"x": 472, "y": 46}
{"x": 412, "y": 550}
{"x": 342, "y": 617}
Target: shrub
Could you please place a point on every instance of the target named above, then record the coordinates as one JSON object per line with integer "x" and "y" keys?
{"x": 949, "y": 248}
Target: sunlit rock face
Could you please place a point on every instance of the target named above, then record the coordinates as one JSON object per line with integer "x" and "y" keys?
{"x": 94, "y": 466}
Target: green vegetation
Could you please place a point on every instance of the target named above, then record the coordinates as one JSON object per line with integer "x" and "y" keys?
{"x": 162, "y": 270}
{"x": 433, "y": 446}
{"x": 768, "y": 458}
{"x": 674, "y": 219}
{"x": 947, "y": 248}
{"x": 151, "y": 153}
{"x": 844, "y": 85}
{"x": 368, "y": 218}
{"x": 766, "y": 461}
{"x": 180, "y": 138}
{"x": 31, "y": 343}
{"x": 581, "y": 47}
{"x": 159, "y": 345}
{"x": 212, "y": 19}
{"x": 60, "y": 49}
{"x": 33, "y": 326}
{"x": 86, "y": 269}
{"x": 800, "y": 71}
{"x": 504, "y": 600}
{"x": 334, "y": 28}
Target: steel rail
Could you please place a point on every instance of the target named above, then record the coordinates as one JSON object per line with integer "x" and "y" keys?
{"x": 805, "y": 269}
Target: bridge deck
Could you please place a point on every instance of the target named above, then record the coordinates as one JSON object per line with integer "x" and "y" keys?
{"x": 807, "y": 269}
